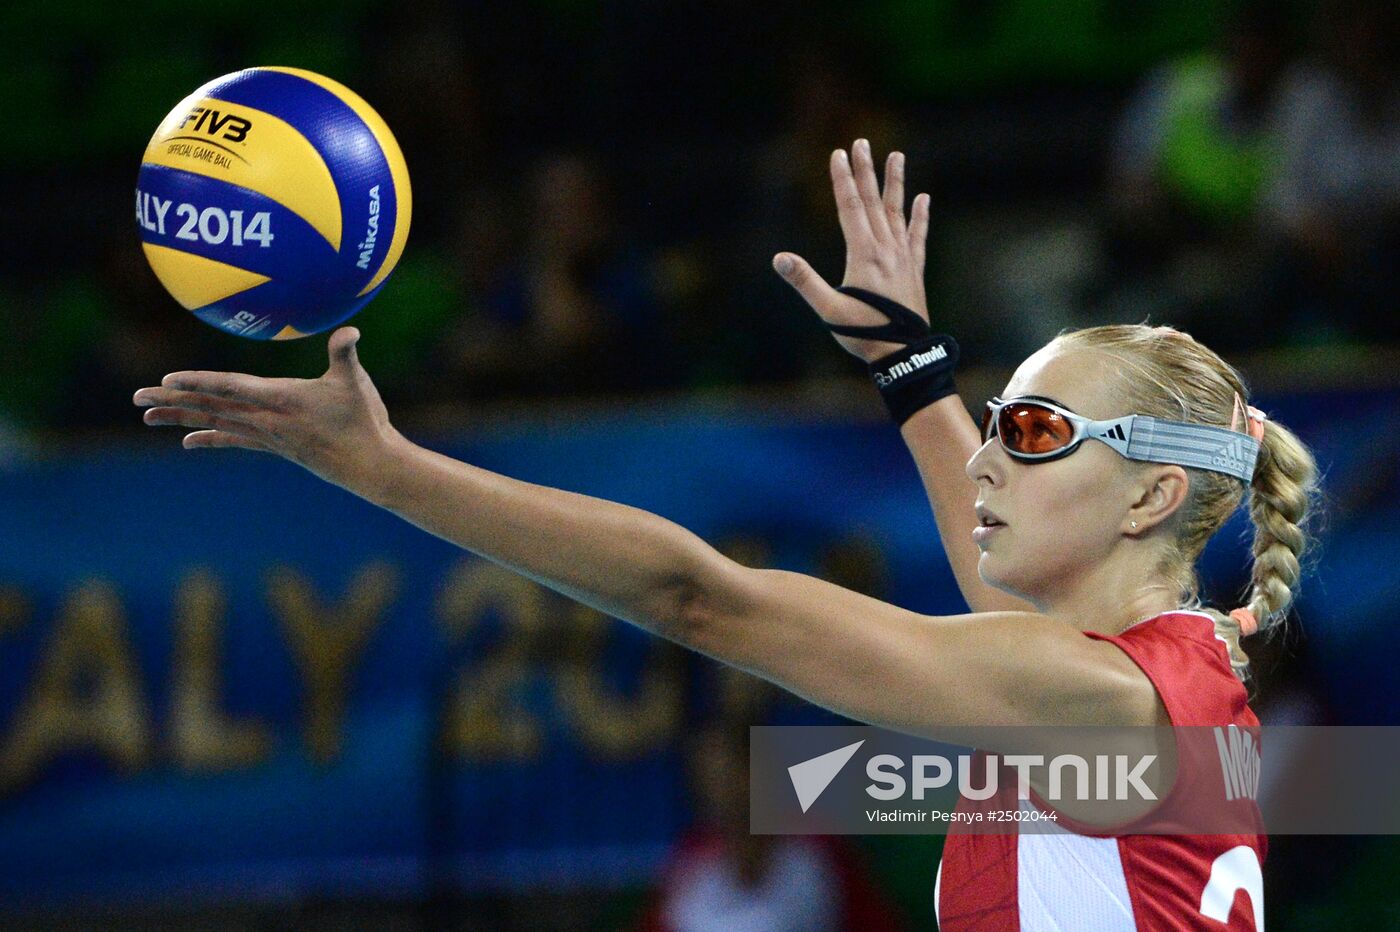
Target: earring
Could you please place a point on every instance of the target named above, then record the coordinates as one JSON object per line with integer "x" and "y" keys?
{"x": 1133, "y": 524}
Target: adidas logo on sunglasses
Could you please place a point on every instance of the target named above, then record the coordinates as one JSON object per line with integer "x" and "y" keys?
{"x": 1231, "y": 456}
{"x": 914, "y": 363}
{"x": 1115, "y": 434}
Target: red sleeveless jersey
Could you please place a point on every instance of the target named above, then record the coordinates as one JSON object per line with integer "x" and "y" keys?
{"x": 1068, "y": 880}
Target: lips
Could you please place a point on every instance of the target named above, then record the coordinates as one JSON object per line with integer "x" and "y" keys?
{"x": 987, "y": 524}
{"x": 987, "y": 518}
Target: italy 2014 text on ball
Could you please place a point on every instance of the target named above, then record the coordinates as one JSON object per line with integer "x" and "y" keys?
{"x": 212, "y": 225}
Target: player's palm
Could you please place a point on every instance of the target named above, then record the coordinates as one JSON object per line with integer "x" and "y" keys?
{"x": 334, "y": 425}
{"x": 884, "y": 254}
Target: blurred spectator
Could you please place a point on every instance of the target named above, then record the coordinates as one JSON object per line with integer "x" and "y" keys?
{"x": 426, "y": 86}
{"x": 720, "y": 877}
{"x": 829, "y": 100}
{"x": 575, "y": 309}
{"x": 1197, "y": 141}
{"x": 1336, "y": 203}
{"x": 1195, "y": 151}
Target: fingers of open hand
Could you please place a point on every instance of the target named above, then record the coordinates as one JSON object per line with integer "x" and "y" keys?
{"x": 192, "y": 398}
{"x": 850, "y": 208}
{"x": 163, "y": 397}
{"x": 341, "y": 348}
{"x": 234, "y": 386}
{"x": 918, "y": 230}
{"x": 868, "y": 186}
{"x": 800, "y": 275}
{"x": 218, "y": 439}
{"x": 832, "y": 306}
{"x": 894, "y": 193}
{"x": 177, "y": 407}
{"x": 202, "y": 420}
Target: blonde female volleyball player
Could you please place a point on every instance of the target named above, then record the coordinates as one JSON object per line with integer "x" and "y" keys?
{"x": 1073, "y": 520}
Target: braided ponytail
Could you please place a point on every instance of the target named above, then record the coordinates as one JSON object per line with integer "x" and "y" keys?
{"x": 1280, "y": 498}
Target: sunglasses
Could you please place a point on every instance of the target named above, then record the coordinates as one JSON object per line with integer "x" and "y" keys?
{"x": 1033, "y": 429}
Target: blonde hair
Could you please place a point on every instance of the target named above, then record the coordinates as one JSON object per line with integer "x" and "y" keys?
{"x": 1165, "y": 373}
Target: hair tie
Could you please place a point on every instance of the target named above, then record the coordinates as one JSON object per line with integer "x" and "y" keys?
{"x": 1248, "y": 623}
{"x": 1256, "y": 423}
{"x": 1248, "y": 418}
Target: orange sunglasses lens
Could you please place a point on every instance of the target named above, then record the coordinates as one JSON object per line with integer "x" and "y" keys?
{"x": 1030, "y": 428}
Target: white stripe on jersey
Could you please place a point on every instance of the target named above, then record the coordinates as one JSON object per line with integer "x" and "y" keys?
{"x": 1067, "y": 882}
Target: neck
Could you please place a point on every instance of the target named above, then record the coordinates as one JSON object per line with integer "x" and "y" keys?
{"x": 1114, "y": 597}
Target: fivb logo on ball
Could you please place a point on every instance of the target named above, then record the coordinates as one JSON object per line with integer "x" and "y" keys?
{"x": 273, "y": 203}
{"x": 214, "y": 122}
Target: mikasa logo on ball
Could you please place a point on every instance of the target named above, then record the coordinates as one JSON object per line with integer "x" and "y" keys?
{"x": 367, "y": 247}
{"x": 206, "y": 120}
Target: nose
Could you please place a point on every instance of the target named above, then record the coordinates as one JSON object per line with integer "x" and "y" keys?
{"x": 986, "y": 463}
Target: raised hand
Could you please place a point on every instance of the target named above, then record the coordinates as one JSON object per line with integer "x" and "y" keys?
{"x": 336, "y": 425}
{"x": 883, "y": 253}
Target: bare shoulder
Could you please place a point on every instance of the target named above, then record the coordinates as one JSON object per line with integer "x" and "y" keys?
{"x": 1040, "y": 670}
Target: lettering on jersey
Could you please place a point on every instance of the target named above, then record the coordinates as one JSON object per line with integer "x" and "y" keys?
{"x": 1239, "y": 762}
{"x": 372, "y": 233}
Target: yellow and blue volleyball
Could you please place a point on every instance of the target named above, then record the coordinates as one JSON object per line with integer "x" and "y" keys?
{"x": 273, "y": 203}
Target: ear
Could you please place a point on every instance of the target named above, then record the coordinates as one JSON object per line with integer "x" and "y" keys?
{"x": 1160, "y": 493}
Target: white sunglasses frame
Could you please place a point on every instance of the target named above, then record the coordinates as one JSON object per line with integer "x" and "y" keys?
{"x": 1141, "y": 437}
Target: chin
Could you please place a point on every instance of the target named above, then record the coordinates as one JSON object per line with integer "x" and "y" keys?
{"x": 989, "y": 575}
{"x": 1002, "y": 582}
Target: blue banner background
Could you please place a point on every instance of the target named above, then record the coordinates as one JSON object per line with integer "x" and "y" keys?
{"x": 393, "y": 811}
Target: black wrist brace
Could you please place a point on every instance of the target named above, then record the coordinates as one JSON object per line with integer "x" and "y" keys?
{"x": 912, "y": 378}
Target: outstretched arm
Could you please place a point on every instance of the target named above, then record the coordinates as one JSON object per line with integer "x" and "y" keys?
{"x": 858, "y": 656}
{"x": 885, "y": 255}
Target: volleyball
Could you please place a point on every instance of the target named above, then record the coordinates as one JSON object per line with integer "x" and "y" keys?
{"x": 273, "y": 203}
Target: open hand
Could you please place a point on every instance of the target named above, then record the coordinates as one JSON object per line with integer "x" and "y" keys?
{"x": 336, "y": 425}
{"x": 883, "y": 254}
